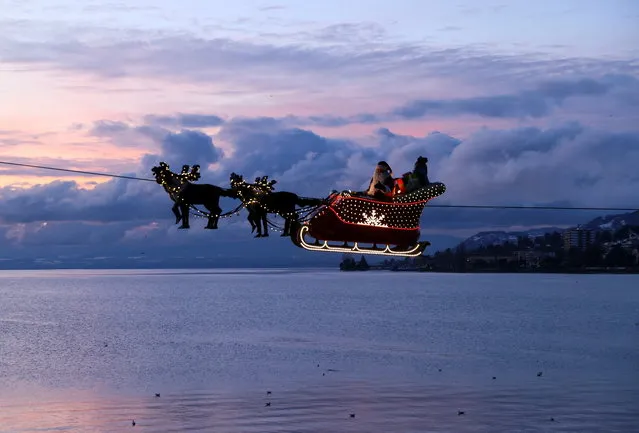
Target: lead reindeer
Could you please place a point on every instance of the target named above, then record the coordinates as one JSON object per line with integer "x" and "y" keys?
{"x": 186, "y": 194}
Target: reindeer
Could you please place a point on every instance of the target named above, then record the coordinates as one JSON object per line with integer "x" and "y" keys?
{"x": 260, "y": 200}
{"x": 186, "y": 194}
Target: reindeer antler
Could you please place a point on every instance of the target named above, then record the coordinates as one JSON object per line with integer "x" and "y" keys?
{"x": 236, "y": 178}
{"x": 195, "y": 172}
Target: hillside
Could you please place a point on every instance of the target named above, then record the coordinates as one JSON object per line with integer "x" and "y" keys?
{"x": 613, "y": 222}
{"x": 484, "y": 239}
{"x": 604, "y": 223}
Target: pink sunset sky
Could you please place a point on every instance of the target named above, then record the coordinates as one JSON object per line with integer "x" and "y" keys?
{"x": 513, "y": 102}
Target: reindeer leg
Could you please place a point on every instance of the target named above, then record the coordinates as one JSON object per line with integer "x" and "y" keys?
{"x": 259, "y": 229}
{"x": 250, "y": 220}
{"x": 216, "y": 219}
{"x": 185, "y": 217}
{"x": 287, "y": 224}
{"x": 214, "y": 215}
{"x": 209, "y": 223}
{"x": 265, "y": 225}
{"x": 176, "y": 212}
{"x": 289, "y": 217}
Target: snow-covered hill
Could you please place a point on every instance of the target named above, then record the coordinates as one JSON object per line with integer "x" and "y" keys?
{"x": 613, "y": 222}
{"x": 501, "y": 237}
{"x": 608, "y": 222}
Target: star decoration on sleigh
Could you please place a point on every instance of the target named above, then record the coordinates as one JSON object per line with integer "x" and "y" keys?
{"x": 373, "y": 219}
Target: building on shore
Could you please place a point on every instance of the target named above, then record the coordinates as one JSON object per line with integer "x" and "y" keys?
{"x": 580, "y": 238}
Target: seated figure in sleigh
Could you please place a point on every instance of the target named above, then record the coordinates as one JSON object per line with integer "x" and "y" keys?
{"x": 415, "y": 179}
{"x": 387, "y": 214}
{"x": 383, "y": 187}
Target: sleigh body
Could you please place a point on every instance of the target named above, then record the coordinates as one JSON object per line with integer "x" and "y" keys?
{"x": 391, "y": 227}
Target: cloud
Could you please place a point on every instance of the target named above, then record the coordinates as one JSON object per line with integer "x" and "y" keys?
{"x": 271, "y": 8}
{"x": 541, "y": 101}
{"x": 190, "y": 145}
{"x": 535, "y": 103}
{"x": 108, "y": 128}
{"x": 15, "y": 142}
{"x": 308, "y": 60}
{"x": 569, "y": 162}
{"x": 123, "y": 134}
{"x": 289, "y": 154}
{"x": 116, "y": 200}
{"x": 622, "y": 92}
{"x": 12, "y": 139}
{"x": 185, "y": 120}
{"x": 193, "y": 146}
{"x": 559, "y": 90}
{"x": 352, "y": 33}
{"x": 568, "y": 165}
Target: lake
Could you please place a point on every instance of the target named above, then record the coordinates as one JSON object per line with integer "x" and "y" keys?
{"x": 87, "y": 351}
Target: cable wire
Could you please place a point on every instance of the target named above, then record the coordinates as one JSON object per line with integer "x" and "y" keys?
{"x": 430, "y": 205}
{"x": 532, "y": 207}
{"x": 92, "y": 173}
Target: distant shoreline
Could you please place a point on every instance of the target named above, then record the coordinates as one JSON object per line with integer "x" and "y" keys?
{"x": 194, "y": 269}
{"x": 627, "y": 271}
{"x": 616, "y": 271}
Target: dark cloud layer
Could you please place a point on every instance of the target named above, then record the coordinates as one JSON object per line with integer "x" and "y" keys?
{"x": 543, "y": 100}
{"x": 116, "y": 200}
{"x": 571, "y": 164}
{"x": 567, "y": 165}
{"x": 539, "y": 102}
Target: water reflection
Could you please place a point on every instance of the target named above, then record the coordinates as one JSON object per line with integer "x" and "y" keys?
{"x": 588, "y": 407}
{"x": 83, "y": 352}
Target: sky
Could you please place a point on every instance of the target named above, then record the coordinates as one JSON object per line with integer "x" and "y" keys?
{"x": 518, "y": 103}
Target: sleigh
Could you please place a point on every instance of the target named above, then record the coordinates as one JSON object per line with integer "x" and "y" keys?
{"x": 369, "y": 225}
{"x": 390, "y": 227}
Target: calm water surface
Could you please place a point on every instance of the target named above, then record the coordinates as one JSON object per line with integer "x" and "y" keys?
{"x": 86, "y": 351}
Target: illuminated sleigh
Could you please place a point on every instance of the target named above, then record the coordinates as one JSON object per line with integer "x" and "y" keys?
{"x": 390, "y": 227}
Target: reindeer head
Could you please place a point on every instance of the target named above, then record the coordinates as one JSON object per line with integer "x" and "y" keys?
{"x": 189, "y": 174}
{"x": 195, "y": 172}
{"x": 160, "y": 172}
{"x": 264, "y": 184}
{"x": 236, "y": 180}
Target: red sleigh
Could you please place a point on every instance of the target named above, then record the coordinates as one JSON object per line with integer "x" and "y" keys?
{"x": 370, "y": 226}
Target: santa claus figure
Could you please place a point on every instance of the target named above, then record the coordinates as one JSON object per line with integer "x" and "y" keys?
{"x": 382, "y": 183}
